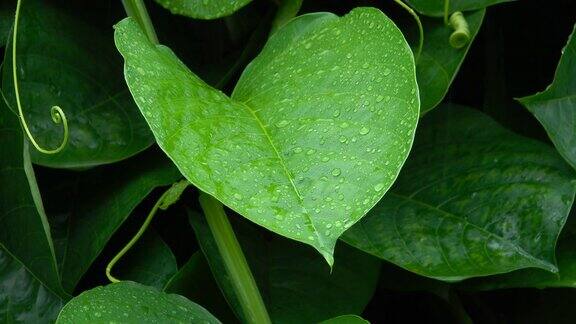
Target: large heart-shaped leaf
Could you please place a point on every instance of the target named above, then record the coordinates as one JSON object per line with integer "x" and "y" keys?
{"x": 23, "y": 298}
{"x": 202, "y": 9}
{"x": 129, "y": 302}
{"x": 439, "y": 62}
{"x": 296, "y": 285}
{"x": 315, "y": 133}
{"x": 555, "y": 107}
{"x": 474, "y": 199}
{"x": 108, "y": 198}
{"x": 63, "y": 61}
{"x": 435, "y": 8}
{"x": 24, "y": 229}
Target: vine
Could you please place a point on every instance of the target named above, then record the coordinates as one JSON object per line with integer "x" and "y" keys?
{"x": 57, "y": 114}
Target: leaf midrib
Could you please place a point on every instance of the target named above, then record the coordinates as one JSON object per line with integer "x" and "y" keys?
{"x": 519, "y": 249}
{"x": 285, "y": 168}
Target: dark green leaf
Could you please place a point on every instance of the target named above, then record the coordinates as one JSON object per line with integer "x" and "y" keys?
{"x": 439, "y": 62}
{"x": 22, "y": 297}
{"x": 108, "y": 197}
{"x": 316, "y": 131}
{"x": 436, "y": 7}
{"x": 24, "y": 230}
{"x": 296, "y": 285}
{"x": 63, "y": 61}
{"x": 129, "y": 302}
{"x": 473, "y": 200}
{"x": 202, "y": 9}
{"x": 6, "y": 18}
{"x": 150, "y": 262}
{"x": 555, "y": 107}
{"x": 346, "y": 319}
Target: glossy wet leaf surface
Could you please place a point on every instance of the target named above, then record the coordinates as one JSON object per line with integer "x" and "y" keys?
{"x": 295, "y": 283}
{"x": 129, "y": 302}
{"x": 202, "y": 9}
{"x": 108, "y": 198}
{"x": 555, "y": 107}
{"x": 24, "y": 231}
{"x": 316, "y": 130}
{"x": 439, "y": 62}
{"x": 22, "y": 297}
{"x": 473, "y": 200}
{"x": 63, "y": 61}
{"x": 436, "y": 7}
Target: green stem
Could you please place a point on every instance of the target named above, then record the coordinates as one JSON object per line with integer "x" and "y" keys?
{"x": 56, "y": 112}
{"x": 288, "y": 9}
{"x": 420, "y": 28}
{"x": 136, "y": 237}
{"x": 461, "y": 35}
{"x": 234, "y": 261}
{"x": 137, "y": 10}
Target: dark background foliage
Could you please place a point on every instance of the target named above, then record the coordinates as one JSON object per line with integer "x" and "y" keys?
{"x": 514, "y": 55}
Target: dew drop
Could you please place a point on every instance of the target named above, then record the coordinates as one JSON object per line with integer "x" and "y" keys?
{"x": 364, "y": 130}
{"x": 237, "y": 196}
{"x": 343, "y": 139}
{"x": 336, "y": 172}
{"x": 282, "y": 123}
{"x": 336, "y": 113}
{"x": 379, "y": 98}
{"x": 378, "y": 187}
{"x": 387, "y": 71}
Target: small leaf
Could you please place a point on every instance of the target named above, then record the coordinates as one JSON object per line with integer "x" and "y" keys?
{"x": 346, "y": 319}
{"x": 473, "y": 200}
{"x": 328, "y": 109}
{"x": 24, "y": 231}
{"x": 23, "y": 298}
{"x": 109, "y": 196}
{"x": 435, "y": 8}
{"x": 439, "y": 62}
{"x": 203, "y": 9}
{"x": 555, "y": 108}
{"x": 64, "y": 61}
{"x": 129, "y": 302}
{"x": 296, "y": 285}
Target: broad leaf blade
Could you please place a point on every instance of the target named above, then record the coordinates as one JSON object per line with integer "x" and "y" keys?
{"x": 24, "y": 229}
{"x": 474, "y": 199}
{"x": 324, "y": 111}
{"x": 436, "y": 7}
{"x": 6, "y": 17}
{"x": 346, "y": 319}
{"x": 22, "y": 297}
{"x": 555, "y": 108}
{"x": 129, "y": 302}
{"x": 64, "y": 61}
{"x": 202, "y": 9}
{"x": 108, "y": 198}
{"x": 439, "y": 62}
{"x": 296, "y": 285}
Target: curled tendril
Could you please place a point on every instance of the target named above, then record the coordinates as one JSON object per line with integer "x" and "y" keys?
{"x": 420, "y": 28}
{"x": 57, "y": 114}
{"x": 461, "y": 35}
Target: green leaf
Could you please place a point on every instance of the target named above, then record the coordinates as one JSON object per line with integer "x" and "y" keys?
{"x": 129, "y": 302}
{"x": 473, "y": 200}
{"x": 328, "y": 109}
{"x": 202, "y": 9}
{"x": 6, "y": 17}
{"x": 22, "y": 297}
{"x": 150, "y": 262}
{"x": 24, "y": 229}
{"x": 439, "y": 62}
{"x": 536, "y": 278}
{"x": 296, "y": 285}
{"x": 63, "y": 61}
{"x": 346, "y": 319}
{"x": 435, "y": 8}
{"x": 108, "y": 197}
{"x": 555, "y": 107}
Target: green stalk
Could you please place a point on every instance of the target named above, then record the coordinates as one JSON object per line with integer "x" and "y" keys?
{"x": 288, "y": 9}
{"x": 137, "y": 10}
{"x": 234, "y": 261}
